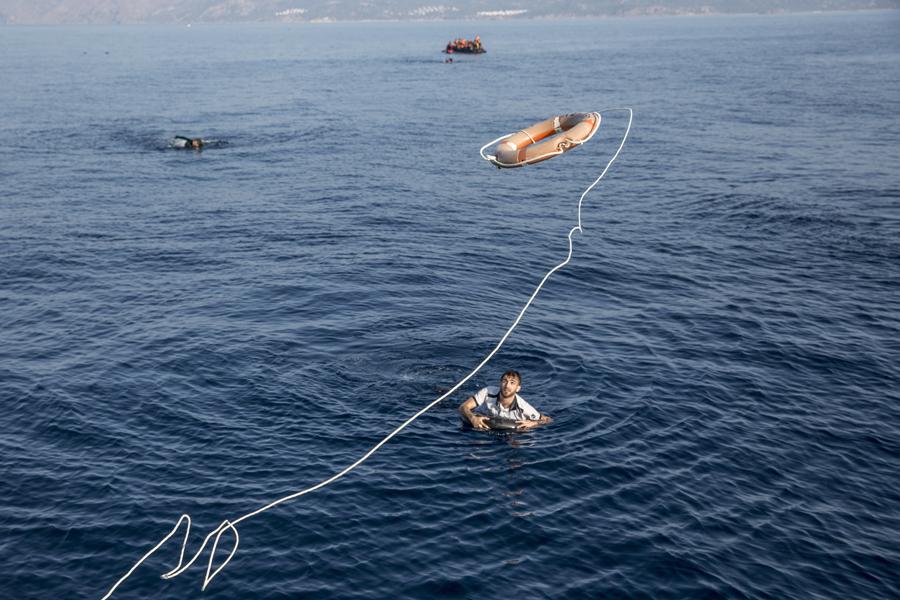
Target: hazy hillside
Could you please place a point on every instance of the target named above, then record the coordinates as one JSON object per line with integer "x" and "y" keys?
{"x": 193, "y": 11}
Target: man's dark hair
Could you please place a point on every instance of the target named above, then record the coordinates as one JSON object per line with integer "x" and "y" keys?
{"x": 512, "y": 373}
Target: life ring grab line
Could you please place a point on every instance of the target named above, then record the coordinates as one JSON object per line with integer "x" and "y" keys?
{"x": 562, "y": 146}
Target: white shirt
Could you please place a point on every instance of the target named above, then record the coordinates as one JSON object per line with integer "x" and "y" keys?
{"x": 487, "y": 402}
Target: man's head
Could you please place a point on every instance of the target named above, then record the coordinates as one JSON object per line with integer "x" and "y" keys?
{"x": 510, "y": 383}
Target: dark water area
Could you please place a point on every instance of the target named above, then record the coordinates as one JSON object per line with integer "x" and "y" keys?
{"x": 206, "y": 332}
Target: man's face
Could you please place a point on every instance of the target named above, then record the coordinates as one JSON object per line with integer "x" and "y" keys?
{"x": 509, "y": 385}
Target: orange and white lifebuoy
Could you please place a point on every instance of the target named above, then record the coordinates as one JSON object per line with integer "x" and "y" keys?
{"x": 544, "y": 140}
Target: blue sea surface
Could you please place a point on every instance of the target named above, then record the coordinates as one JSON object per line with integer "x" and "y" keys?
{"x": 205, "y": 332}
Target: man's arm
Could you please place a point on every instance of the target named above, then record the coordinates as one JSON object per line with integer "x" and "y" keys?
{"x": 465, "y": 409}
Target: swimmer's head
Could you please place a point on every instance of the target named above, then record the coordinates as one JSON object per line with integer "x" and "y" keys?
{"x": 510, "y": 383}
{"x": 512, "y": 374}
{"x": 196, "y": 143}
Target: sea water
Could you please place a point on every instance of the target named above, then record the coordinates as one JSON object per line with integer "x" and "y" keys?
{"x": 205, "y": 332}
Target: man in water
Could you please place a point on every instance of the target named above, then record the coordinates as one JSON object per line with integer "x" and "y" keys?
{"x": 504, "y": 402}
{"x": 183, "y": 142}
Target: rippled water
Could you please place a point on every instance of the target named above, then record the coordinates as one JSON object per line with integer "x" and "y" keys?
{"x": 206, "y": 332}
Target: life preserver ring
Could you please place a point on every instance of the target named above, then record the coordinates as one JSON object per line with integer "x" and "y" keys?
{"x": 544, "y": 140}
{"x": 494, "y": 423}
{"x": 502, "y": 424}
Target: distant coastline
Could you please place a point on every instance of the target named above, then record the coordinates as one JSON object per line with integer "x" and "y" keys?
{"x": 136, "y": 12}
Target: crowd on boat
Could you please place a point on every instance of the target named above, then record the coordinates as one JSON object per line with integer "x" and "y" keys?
{"x": 463, "y": 45}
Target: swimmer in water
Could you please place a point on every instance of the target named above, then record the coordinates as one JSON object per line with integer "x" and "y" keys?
{"x": 503, "y": 402}
{"x": 183, "y": 142}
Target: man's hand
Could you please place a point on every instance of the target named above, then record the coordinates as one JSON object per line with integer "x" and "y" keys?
{"x": 465, "y": 411}
{"x": 527, "y": 424}
{"x": 479, "y": 422}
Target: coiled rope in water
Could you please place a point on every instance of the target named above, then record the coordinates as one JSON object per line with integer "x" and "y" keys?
{"x": 230, "y": 525}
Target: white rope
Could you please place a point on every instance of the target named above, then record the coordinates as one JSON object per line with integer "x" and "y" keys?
{"x": 229, "y": 525}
